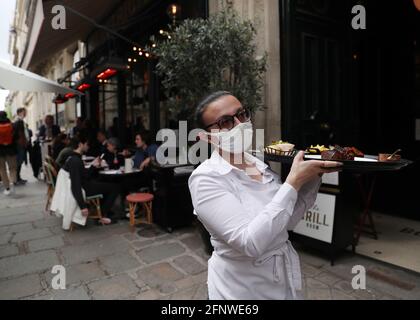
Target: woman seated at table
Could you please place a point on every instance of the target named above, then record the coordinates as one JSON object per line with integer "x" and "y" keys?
{"x": 114, "y": 159}
{"x": 145, "y": 152}
{"x": 82, "y": 179}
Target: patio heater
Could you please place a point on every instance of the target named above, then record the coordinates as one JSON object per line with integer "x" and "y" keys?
{"x": 59, "y": 99}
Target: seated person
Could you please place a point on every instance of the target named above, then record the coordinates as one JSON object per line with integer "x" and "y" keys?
{"x": 48, "y": 130}
{"x": 145, "y": 151}
{"x": 63, "y": 155}
{"x": 58, "y": 144}
{"x": 101, "y": 138}
{"x": 114, "y": 159}
{"x": 81, "y": 178}
{"x": 97, "y": 145}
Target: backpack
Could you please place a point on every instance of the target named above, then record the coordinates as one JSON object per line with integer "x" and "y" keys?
{"x": 6, "y": 134}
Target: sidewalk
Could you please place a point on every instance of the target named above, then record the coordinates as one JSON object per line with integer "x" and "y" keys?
{"x": 112, "y": 263}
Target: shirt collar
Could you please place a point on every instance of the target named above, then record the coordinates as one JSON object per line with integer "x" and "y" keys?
{"x": 220, "y": 165}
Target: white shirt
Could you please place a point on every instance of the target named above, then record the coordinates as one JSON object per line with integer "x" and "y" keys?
{"x": 248, "y": 222}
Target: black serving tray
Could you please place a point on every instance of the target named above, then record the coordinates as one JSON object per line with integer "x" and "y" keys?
{"x": 348, "y": 165}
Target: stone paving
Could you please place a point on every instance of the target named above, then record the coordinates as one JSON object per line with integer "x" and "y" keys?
{"x": 111, "y": 262}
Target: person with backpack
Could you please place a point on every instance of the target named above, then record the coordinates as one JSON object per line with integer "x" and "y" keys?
{"x": 7, "y": 154}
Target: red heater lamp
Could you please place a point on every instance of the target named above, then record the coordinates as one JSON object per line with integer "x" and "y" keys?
{"x": 108, "y": 73}
{"x": 83, "y": 87}
{"x": 69, "y": 95}
{"x": 60, "y": 99}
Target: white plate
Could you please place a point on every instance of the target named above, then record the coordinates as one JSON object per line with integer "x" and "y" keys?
{"x": 111, "y": 172}
{"x": 318, "y": 157}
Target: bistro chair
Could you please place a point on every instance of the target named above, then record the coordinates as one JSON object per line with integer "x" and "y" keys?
{"x": 52, "y": 162}
{"x": 145, "y": 200}
{"x": 50, "y": 179}
{"x": 94, "y": 207}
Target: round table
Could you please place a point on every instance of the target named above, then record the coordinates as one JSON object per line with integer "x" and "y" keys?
{"x": 118, "y": 177}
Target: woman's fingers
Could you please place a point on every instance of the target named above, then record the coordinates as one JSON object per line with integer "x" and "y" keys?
{"x": 325, "y": 164}
{"x": 332, "y": 164}
{"x": 329, "y": 170}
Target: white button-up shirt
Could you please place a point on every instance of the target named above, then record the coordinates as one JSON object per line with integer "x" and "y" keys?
{"x": 248, "y": 222}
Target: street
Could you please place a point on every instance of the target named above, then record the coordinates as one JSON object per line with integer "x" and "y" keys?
{"x": 112, "y": 263}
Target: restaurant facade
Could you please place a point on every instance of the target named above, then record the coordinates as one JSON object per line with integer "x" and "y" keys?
{"x": 326, "y": 83}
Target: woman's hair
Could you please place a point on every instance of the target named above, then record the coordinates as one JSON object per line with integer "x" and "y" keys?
{"x": 75, "y": 141}
{"x": 204, "y": 103}
{"x": 60, "y": 138}
{"x": 3, "y": 117}
{"x": 145, "y": 136}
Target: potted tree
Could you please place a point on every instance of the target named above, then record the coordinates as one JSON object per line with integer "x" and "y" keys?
{"x": 200, "y": 56}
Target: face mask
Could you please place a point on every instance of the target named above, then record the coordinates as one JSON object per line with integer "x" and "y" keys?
{"x": 236, "y": 140}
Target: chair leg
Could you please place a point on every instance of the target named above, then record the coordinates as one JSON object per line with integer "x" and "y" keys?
{"x": 98, "y": 209}
{"x": 132, "y": 209}
{"x": 148, "y": 207}
{"x": 47, "y": 205}
{"x": 71, "y": 227}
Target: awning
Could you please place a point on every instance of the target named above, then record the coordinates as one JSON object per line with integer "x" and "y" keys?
{"x": 46, "y": 41}
{"x": 17, "y": 79}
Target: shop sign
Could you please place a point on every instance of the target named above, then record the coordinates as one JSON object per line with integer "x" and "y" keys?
{"x": 318, "y": 222}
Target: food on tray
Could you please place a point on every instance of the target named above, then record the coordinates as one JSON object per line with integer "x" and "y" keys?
{"x": 337, "y": 153}
{"x": 387, "y": 157}
{"x": 281, "y": 146}
{"x": 356, "y": 152}
{"x": 317, "y": 149}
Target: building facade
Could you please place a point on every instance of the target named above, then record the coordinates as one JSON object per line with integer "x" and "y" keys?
{"x": 39, "y": 104}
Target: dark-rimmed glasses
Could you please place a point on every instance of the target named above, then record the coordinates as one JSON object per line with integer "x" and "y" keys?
{"x": 227, "y": 122}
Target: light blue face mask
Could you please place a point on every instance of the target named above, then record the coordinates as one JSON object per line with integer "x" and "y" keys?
{"x": 237, "y": 140}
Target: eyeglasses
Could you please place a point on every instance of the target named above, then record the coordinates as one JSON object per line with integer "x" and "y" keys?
{"x": 228, "y": 122}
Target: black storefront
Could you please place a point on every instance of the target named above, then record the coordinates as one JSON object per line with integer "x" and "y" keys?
{"x": 135, "y": 86}
{"x": 355, "y": 87}
{"x": 136, "y": 90}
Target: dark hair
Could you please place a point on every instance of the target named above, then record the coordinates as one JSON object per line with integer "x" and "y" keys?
{"x": 19, "y": 110}
{"x": 75, "y": 141}
{"x": 145, "y": 136}
{"x": 101, "y": 132}
{"x": 3, "y": 117}
{"x": 204, "y": 104}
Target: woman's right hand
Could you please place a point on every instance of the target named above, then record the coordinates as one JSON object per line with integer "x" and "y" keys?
{"x": 304, "y": 171}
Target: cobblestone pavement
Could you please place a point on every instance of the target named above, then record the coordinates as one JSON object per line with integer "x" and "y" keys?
{"x": 113, "y": 263}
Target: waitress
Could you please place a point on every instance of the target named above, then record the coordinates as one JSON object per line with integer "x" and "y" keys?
{"x": 246, "y": 209}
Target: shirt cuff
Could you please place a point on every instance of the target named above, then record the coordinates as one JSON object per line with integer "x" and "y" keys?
{"x": 285, "y": 198}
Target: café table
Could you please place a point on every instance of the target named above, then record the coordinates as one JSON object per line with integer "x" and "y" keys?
{"x": 119, "y": 176}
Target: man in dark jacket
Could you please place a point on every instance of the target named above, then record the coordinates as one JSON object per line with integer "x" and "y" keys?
{"x": 22, "y": 138}
{"x": 48, "y": 130}
{"x": 82, "y": 178}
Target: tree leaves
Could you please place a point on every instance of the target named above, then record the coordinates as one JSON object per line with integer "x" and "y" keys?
{"x": 203, "y": 56}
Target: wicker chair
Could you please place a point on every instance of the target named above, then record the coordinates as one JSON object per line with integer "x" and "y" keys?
{"x": 50, "y": 179}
